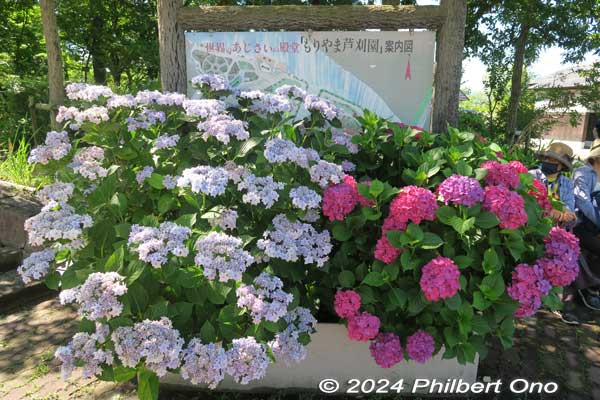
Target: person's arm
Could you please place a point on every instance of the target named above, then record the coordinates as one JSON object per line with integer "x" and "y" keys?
{"x": 568, "y": 194}
{"x": 583, "y": 200}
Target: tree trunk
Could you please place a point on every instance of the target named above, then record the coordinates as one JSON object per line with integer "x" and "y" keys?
{"x": 171, "y": 46}
{"x": 450, "y": 44}
{"x": 55, "y": 65}
{"x": 517, "y": 76}
{"x": 95, "y": 46}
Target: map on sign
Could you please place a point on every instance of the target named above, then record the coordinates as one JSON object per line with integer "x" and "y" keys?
{"x": 390, "y": 73}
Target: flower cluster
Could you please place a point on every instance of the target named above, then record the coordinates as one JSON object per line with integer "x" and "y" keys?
{"x": 304, "y": 198}
{"x": 414, "y": 204}
{"x": 144, "y": 174}
{"x": 527, "y": 287}
{"x": 291, "y": 91}
{"x": 212, "y": 81}
{"x": 346, "y": 303}
{"x": 98, "y": 296}
{"x": 507, "y": 206}
{"x": 342, "y": 138}
{"x": 286, "y": 346}
{"x": 339, "y": 200}
{"x": 154, "y": 341}
{"x": 222, "y": 254}
{"x": 363, "y": 327}
{"x": 154, "y": 97}
{"x": 203, "y": 108}
{"x": 384, "y": 250}
{"x": 560, "y": 264}
{"x": 265, "y": 299}
{"x": 325, "y": 173}
{"x": 83, "y": 348}
{"x": 247, "y": 360}
{"x": 83, "y": 91}
{"x": 125, "y": 101}
{"x": 223, "y": 127}
{"x": 88, "y": 163}
{"x": 204, "y": 363}
{"x": 211, "y": 181}
{"x": 227, "y": 219}
{"x": 56, "y": 222}
{"x": 386, "y": 349}
{"x": 58, "y": 192}
{"x": 281, "y": 150}
{"x": 541, "y": 195}
{"x": 268, "y": 103}
{"x": 420, "y": 346}
{"x": 291, "y": 240}
{"x": 460, "y": 190}
{"x": 55, "y": 147}
{"x": 145, "y": 120}
{"x": 440, "y": 279}
{"x": 260, "y": 189}
{"x": 326, "y": 108}
{"x": 164, "y": 142}
{"x": 506, "y": 175}
{"x": 36, "y": 266}
{"x": 154, "y": 244}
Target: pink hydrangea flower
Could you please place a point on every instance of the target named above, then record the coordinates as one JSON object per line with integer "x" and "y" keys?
{"x": 439, "y": 279}
{"x": 501, "y": 174}
{"x": 338, "y": 201}
{"x": 527, "y": 287}
{"x": 560, "y": 243}
{"x": 462, "y": 190}
{"x": 559, "y": 271}
{"x": 363, "y": 201}
{"x": 386, "y": 350}
{"x": 414, "y": 204}
{"x": 363, "y": 327}
{"x": 420, "y": 346}
{"x": 346, "y": 303}
{"x": 541, "y": 195}
{"x": 518, "y": 167}
{"x": 384, "y": 250}
{"x": 508, "y": 206}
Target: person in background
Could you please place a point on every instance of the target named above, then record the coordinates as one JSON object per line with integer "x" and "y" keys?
{"x": 587, "y": 188}
{"x": 556, "y": 159}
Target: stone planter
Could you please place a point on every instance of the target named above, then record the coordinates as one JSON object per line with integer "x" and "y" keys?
{"x": 332, "y": 355}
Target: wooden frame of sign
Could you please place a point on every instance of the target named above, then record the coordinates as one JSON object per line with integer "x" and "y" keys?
{"x": 448, "y": 19}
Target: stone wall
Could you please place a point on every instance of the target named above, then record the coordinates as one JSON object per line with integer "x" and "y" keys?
{"x": 17, "y": 204}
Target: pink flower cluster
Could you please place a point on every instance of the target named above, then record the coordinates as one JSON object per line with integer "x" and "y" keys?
{"x": 527, "y": 287}
{"x": 439, "y": 279}
{"x": 346, "y": 303}
{"x": 339, "y": 200}
{"x": 562, "y": 253}
{"x": 420, "y": 346}
{"x": 361, "y": 326}
{"x": 503, "y": 174}
{"x": 462, "y": 190}
{"x": 541, "y": 195}
{"x": 384, "y": 250}
{"x": 508, "y": 206}
{"x": 386, "y": 350}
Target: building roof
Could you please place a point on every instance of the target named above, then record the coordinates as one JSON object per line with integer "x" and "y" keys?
{"x": 568, "y": 77}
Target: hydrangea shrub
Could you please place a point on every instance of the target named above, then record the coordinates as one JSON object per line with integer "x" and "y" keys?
{"x": 202, "y": 236}
{"x": 439, "y": 242}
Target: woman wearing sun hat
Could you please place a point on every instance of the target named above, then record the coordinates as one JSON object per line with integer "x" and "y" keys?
{"x": 558, "y": 157}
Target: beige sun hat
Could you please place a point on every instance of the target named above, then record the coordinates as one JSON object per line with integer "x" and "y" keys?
{"x": 561, "y": 153}
{"x": 594, "y": 150}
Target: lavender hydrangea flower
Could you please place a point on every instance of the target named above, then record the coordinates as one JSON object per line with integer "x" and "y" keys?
{"x": 56, "y": 222}
{"x": 84, "y": 348}
{"x": 170, "y": 182}
{"x": 154, "y": 244}
{"x": 327, "y": 109}
{"x": 226, "y": 219}
{"x": 325, "y": 173}
{"x": 222, "y": 127}
{"x": 83, "y": 91}
{"x": 348, "y": 166}
{"x": 36, "y": 266}
{"x": 144, "y": 174}
{"x": 260, "y": 189}
{"x": 281, "y": 150}
{"x": 154, "y": 97}
{"x": 97, "y": 296}
{"x": 55, "y": 147}
{"x": 67, "y": 114}
{"x": 146, "y": 119}
{"x": 305, "y": 198}
{"x": 211, "y": 181}
{"x": 236, "y": 172}
{"x": 116, "y": 101}
{"x": 203, "y": 108}
{"x": 251, "y": 94}
{"x": 214, "y": 82}
{"x": 222, "y": 254}
{"x": 155, "y": 341}
{"x": 164, "y": 142}
{"x": 460, "y": 189}
{"x": 58, "y": 192}
{"x": 286, "y": 346}
{"x": 94, "y": 114}
{"x": 291, "y": 240}
{"x": 247, "y": 360}
{"x": 265, "y": 299}
{"x": 271, "y": 104}
{"x": 342, "y": 138}
{"x": 291, "y": 91}
{"x": 204, "y": 363}
{"x": 88, "y": 163}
